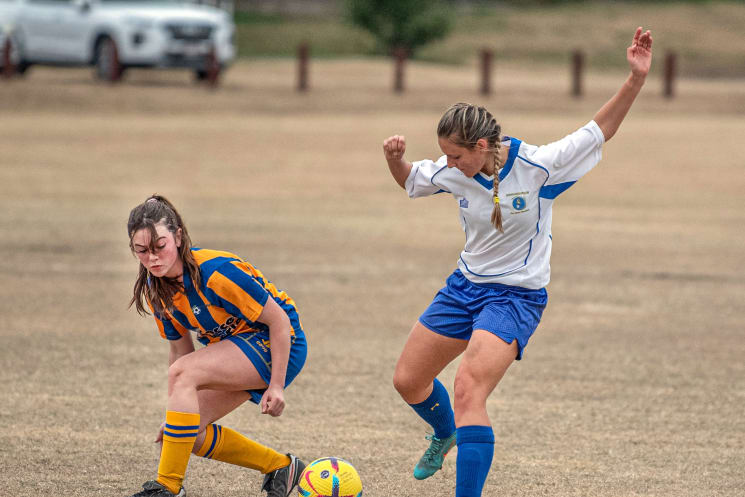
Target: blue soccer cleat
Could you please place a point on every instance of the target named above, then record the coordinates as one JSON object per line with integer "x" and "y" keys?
{"x": 434, "y": 456}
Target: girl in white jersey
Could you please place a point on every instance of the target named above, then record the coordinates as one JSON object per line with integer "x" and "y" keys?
{"x": 493, "y": 302}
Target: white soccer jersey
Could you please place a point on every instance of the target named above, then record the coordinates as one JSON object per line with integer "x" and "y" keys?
{"x": 529, "y": 182}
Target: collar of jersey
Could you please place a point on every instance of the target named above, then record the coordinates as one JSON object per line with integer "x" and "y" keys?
{"x": 488, "y": 181}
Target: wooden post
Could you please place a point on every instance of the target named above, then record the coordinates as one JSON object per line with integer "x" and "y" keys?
{"x": 8, "y": 67}
{"x": 302, "y": 66}
{"x": 212, "y": 67}
{"x": 578, "y": 63}
{"x": 486, "y": 58}
{"x": 399, "y": 55}
{"x": 669, "y": 76}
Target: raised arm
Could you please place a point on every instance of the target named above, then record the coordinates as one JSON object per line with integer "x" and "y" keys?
{"x": 639, "y": 57}
{"x": 393, "y": 149}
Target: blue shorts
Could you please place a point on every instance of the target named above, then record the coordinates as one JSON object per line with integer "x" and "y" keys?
{"x": 257, "y": 349}
{"x": 510, "y": 312}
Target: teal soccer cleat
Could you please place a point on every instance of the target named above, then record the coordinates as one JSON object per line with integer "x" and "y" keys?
{"x": 433, "y": 457}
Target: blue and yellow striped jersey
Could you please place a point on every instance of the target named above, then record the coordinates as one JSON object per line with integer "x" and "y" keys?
{"x": 228, "y": 301}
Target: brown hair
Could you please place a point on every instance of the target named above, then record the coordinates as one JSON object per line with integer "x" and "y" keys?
{"x": 465, "y": 124}
{"x": 159, "y": 291}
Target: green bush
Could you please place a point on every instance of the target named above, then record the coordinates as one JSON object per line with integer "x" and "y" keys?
{"x": 401, "y": 24}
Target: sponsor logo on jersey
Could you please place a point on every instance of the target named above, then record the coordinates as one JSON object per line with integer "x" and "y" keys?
{"x": 464, "y": 203}
{"x": 224, "y": 330}
{"x": 518, "y": 203}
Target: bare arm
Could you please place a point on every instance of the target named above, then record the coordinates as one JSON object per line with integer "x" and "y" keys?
{"x": 393, "y": 150}
{"x": 179, "y": 348}
{"x": 639, "y": 56}
{"x": 273, "y": 402}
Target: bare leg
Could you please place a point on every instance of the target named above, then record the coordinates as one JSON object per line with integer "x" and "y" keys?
{"x": 424, "y": 356}
{"x": 484, "y": 363}
{"x": 221, "y": 366}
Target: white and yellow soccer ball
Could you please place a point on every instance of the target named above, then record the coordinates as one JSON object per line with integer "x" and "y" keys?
{"x": 330, "y": 477}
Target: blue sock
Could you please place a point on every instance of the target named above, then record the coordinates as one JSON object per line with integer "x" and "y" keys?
{"x": 475, "y": 452}
{"x": 436, "y": 411}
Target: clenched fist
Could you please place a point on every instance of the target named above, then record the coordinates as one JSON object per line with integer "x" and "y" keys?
{"x": 394, "y": 147}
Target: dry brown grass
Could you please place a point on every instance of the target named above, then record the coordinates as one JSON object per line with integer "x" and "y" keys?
{"x": 707, "y": 36}
{"x": 631, "y": 386}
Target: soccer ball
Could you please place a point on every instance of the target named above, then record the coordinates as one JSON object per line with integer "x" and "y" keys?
{"x": 330, "y": 477}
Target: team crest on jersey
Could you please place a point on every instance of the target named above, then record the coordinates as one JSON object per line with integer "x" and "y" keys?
{"x": 518, "y": 201}
{"x": 196, "y": 310}
{"x": 464, "y": 203}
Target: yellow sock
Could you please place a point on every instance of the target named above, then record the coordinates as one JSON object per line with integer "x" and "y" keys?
{"x": 226, "y": 445}
{"x": 178, "y": 440}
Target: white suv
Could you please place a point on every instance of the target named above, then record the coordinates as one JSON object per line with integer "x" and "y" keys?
{"x": 112, "y": 35}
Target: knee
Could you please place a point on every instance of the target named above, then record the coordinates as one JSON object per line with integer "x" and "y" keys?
{"x": 178, "y": 374}
{"x": 466, "y": 396}
{"x": 406, "y": 384}
{"x": 401, "y": 382}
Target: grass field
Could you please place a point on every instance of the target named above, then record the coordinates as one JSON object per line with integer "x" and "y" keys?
{"x": 707, "y": 36}
{"x": 632, "y": 385}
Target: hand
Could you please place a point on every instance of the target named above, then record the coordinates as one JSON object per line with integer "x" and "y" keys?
{"x": 394, "y": 147}
{"x": 639, "y": 54}
{"x": 159, "y": 437}
{"x": 273, "y": 401}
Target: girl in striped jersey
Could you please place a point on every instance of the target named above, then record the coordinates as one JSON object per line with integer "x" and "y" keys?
{"x": 255, "y": 346}
{"x": 493, "y": 302}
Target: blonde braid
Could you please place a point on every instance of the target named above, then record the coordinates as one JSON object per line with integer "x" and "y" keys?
{"x": 496, "y": 213}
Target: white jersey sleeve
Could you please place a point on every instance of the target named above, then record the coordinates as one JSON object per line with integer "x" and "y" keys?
{"x": 570, "y": 158}
{"x": 422, "y": 179}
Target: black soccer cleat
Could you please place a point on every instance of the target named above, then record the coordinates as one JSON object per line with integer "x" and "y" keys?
{"x": 154, "y": 489}
{"x": 281, "y": 482}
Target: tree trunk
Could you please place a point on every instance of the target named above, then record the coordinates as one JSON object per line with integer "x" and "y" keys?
{"x": 400, "y": 54}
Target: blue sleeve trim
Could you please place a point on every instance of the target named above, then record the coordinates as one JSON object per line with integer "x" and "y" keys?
{"x": 553, "y": 191}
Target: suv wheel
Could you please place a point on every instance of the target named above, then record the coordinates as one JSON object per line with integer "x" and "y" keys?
{"x": 108, "y": 67}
